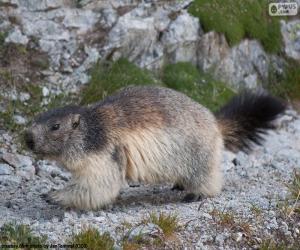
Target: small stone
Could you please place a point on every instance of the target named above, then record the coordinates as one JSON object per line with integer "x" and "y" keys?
{"x": 24, "y": 97}
{"x": 45, "y": 91}
{"x": 8, "y": 180}
{"x": 22, "y": 164}
{"x": 16, "y": 160}
{"x": 219, "y": 239}
{"x": 20, "y": 120}
{"x": 7, "y": 137}
{"x": 16, "y": 37}
{"x": 5, "y": 169}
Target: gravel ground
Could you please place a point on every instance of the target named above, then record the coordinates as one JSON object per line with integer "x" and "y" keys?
{"x": 255, "y": 186}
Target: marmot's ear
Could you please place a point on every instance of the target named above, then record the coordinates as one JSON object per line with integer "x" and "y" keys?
{"x": 75, "y": 120}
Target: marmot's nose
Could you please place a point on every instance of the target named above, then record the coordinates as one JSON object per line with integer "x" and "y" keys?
{"x": 28, "y": 136}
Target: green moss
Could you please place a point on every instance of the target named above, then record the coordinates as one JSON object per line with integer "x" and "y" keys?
{"x": 286, "y": 85}
{"x": 201, "y": 87}
{"x": 91, "y": 239}
{"x": 20, "y": 234}
{"x": 238, "y": 19}
{"x": 108, "y": 77}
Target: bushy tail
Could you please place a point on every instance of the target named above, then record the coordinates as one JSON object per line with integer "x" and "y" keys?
{"x": 246, "y": 118}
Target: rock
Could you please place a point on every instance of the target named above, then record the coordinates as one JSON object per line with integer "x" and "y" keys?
{"x": 220, "y": 239}
{"x": 108, "y": 18}
{"x": 245, "y": 65}
{"x": 134, "y": 37}
{"x": 7, "y": 180}
{"x": 16, "y": 160}
{"x": 81, "y": 20}
{"x": 48, "y": 30}
{"x": 42, "y": 5}
{"x": 16, "y": 37}
{"x": 47, "y": 169}
{"x": 45, "y": 91}
{"x": 20, "y": 120}
{"x": 179, "y": 41}
{"x": 22, "y": 164}
{"x": 7, "y": 138}
{"x": 5, "y": 169}
{"x": 291, "y": 37}
{"x": 23, "y": 97}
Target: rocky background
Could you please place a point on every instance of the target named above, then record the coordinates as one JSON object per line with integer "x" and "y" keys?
{"x": 53, "y": 44}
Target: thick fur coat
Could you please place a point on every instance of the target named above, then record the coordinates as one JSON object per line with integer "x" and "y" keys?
{"x": 147, "y": 134}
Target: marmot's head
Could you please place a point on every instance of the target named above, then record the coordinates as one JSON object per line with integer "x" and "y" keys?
{"x": 56, "y": 132}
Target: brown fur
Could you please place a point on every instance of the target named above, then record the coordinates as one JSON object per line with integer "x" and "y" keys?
{"x": 140, "y": 134}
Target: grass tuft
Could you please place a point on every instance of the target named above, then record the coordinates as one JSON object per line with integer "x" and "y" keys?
{"x": 238, "y": 19}
{"x": 91, "y": 239}
{"x": 200, "y": 86}
{"x": 168, "y": 223}
{"x": 20, "y": 234}
{"x": 287, "y": 85}
{"x": 107, "y": 77}
{"x": 294, "y": 187}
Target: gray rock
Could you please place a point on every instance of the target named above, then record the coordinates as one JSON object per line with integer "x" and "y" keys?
{"x": 16, "y": 37}
{"x": 9, "y": 180}
{"x": 22, "y": 164}
{"x": 47, "y": 169}
{"x": 81, "y": 20}
{"x": 42, "y": 5}
{"x": 244, "y": 65}
{"x": 45, "y": 91}
{"x": 23, "y": 97}
{"x": 291, "y": 37}
{"x": 179, "y": 41}
{"x": 5, "y": 169}
{"x": 134, "y": 37}
{"x": 20, "y": 120}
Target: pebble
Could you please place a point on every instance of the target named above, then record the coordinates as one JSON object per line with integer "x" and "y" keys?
{"x": 45, "y": 91}
{"x": 20, "y": 120}
{"x": 5, "y": 169}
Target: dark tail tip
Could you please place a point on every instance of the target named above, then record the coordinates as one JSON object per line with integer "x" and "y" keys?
{"x": 247, "y": 117}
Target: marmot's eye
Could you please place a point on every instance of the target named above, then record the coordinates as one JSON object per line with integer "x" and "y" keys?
{"x": 55, "y": 127}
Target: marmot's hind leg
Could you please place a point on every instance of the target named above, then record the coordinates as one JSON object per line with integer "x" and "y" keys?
{"x": 203, "y": 184}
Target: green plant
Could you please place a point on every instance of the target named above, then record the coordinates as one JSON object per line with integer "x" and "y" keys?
{"x": 238, "y": 19}
{"x": 200, "y": 86}
{"x": 286, "y": 85}
{"x": 107, "y": 77}
{"x": 168, "y": 223}
{"x": 20, "y": 235}
{"x": 91, "y": 239}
